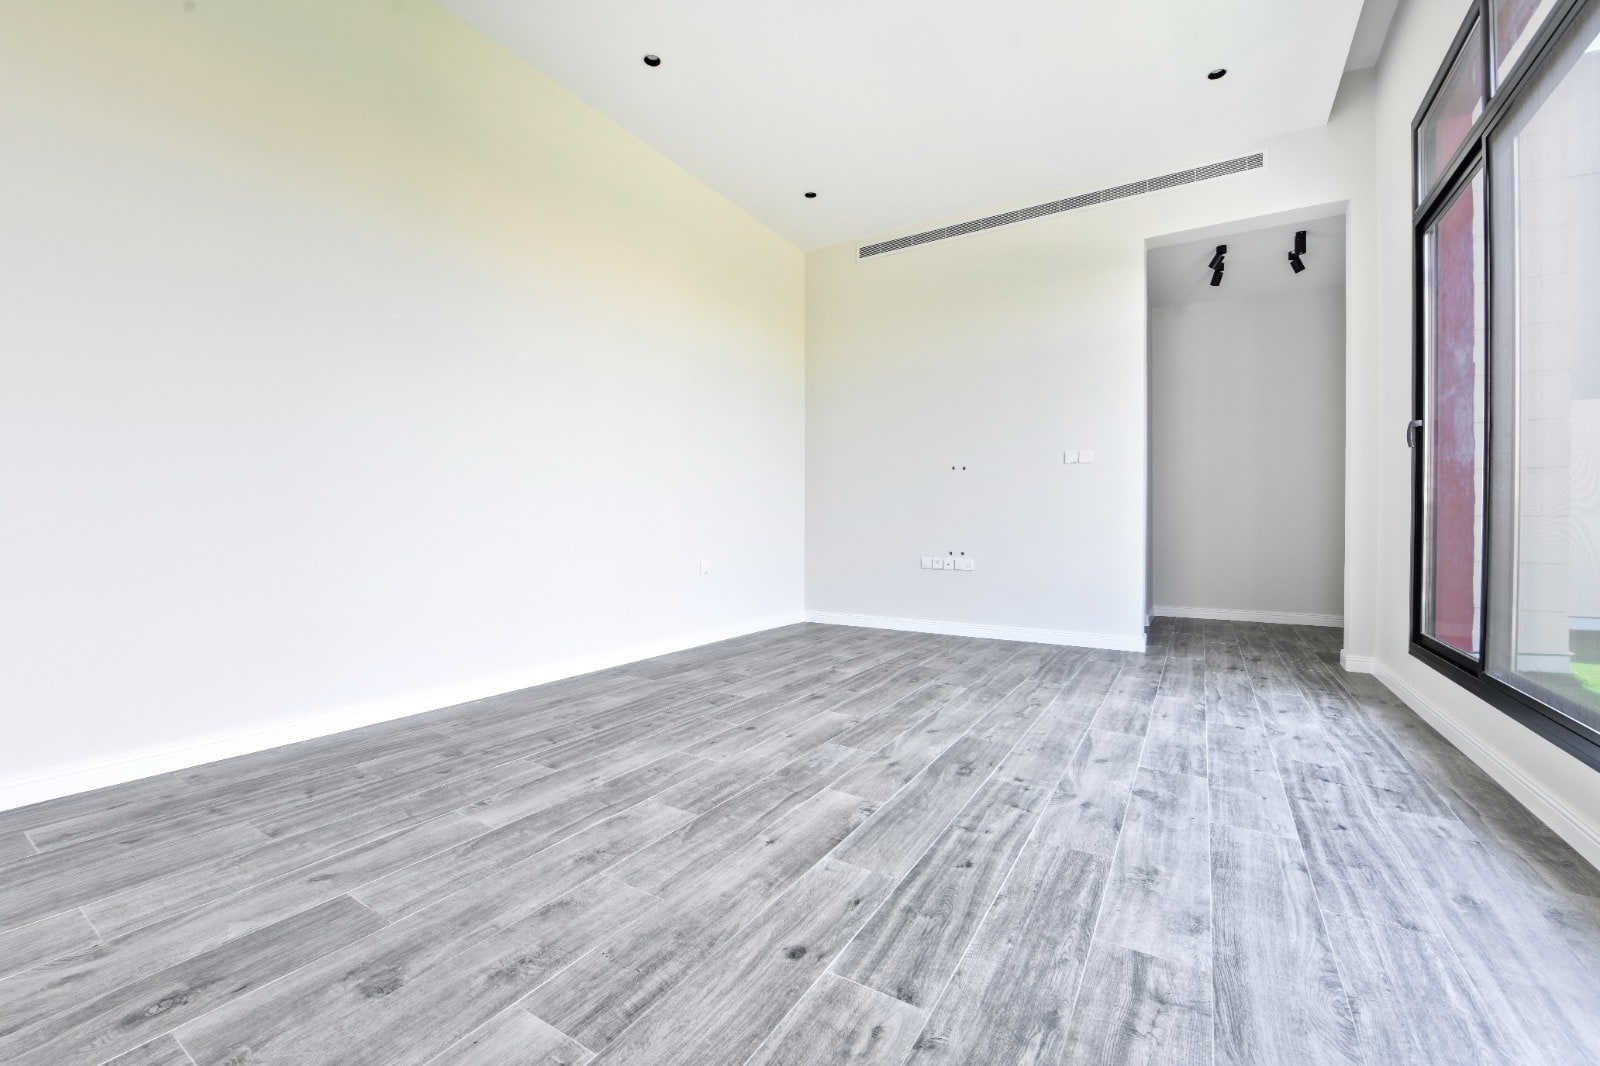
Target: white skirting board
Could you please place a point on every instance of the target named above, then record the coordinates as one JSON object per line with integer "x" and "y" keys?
{"x": 69, "y": 780}
{"x": 1274, "y": 618}
{"x": 1357, "y": 664}
{"x": 1563, "y": 820}
{"x": 1065, "y": 637}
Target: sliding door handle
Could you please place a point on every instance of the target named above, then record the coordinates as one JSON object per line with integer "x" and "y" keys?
{"x": 1411, "y": 432}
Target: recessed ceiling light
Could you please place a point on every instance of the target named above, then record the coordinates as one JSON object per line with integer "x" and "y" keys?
{"x": 652, "y": 61}
{"x": 811, "y": 196}
{"x": 1218, "y": 74}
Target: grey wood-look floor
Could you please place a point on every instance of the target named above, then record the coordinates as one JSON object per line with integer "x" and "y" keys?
{"x": 822, "y": 845}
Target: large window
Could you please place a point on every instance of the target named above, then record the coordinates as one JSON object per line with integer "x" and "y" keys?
{"x": 1506, "y": 575}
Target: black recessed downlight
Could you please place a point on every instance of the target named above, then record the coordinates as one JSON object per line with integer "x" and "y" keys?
{"x": 652, "y": 61}
{"x": 1218, "y": 74}
{"x": 811, "y": 196}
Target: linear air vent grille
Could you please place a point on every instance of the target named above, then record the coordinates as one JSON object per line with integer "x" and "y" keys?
{"x": 1071, "y": 203}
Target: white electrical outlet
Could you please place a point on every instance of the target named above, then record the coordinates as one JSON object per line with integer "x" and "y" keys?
{"x": 945, "y": 563}
{"x": 964, "y": 564}
{"x": 1086, "y": 457}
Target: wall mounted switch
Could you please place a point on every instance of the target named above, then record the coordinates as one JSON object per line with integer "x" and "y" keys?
{"x": 705, "y": 566}
{"x": 965, "y": 564}
{"x": 1069, "y": 457}
{"x": 1086, "y": 457}
{"x": 927, "y": 562}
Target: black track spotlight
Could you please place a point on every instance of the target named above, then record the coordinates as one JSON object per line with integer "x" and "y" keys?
{"x": 1300, "y": 242}
{"x": 1295, "y": 264}
{"x": 652, "y": 61}
{"x": 1216, "y": 260}
{"x": 1216, "y": 276}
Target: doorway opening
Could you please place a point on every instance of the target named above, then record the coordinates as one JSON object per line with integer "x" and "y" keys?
{"x": 1247, "y": 423}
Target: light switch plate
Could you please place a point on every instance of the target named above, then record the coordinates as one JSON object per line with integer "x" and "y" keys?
{"x": 1069, "y": 457}
{"x": 1086, "y": 457}
{"x": 965, "y": 564}
{"x": 927, "y": 562}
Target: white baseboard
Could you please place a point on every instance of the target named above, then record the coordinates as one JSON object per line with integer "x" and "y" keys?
{"x": 1357, "y": 664}
{"x": 84, "y": 777}
{"x": 1548, "y": 808}
{"x": 1275, "y": 618}
{"x": 1065, "y": 637}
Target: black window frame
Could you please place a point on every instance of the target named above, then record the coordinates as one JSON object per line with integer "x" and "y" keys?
{"x": 1471, "y": 158}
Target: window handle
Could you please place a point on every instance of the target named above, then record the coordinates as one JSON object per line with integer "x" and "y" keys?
{"x": 1411, "y": 432}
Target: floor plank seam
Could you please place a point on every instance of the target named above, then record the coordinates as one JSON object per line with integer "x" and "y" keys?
{"x": 1257, "y": 713}
{"x": 353, "y": 889}
{"x": 977, "y": 928}
{"x": 879, "y": 995}
{"x": 283, "y": 809}
{"x": 257, "y": 989}
{"x": 1211, "y": 849}
{"x": 389, "y": 923}
{"x": 1111, "y": 867}
{"x": 520, "y": 1005}
{"x": 1454, "y": 804}
{"x": 528, "y": 858}
{"x": 93, "y": 928}
{"x": 384, "y": 832}
{"x": 844, "y": 948}
{"x": 778, "y": 1027}
{"x": 183, "y": 1049}
{"x": 606, "y": 875}
{"x": 1341, "y": 966}
{"x": 732, "y": 936}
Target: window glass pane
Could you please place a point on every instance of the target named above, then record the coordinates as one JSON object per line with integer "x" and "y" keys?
{"x": 1515, "y": 22}
{"x": 1547, "y": 190}
{"x": 1453, "y": 422}
{"x": 1445, "y": 127}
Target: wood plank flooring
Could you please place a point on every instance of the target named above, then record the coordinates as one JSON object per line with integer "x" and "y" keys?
{"x": 822, "y": 845}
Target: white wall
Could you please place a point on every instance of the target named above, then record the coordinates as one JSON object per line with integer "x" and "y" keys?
{"x": 348, "y": 367}
{"x": 1554, "y": 785}
{"x": 1247, "y": 454}
{"x": 1006, "y": 348}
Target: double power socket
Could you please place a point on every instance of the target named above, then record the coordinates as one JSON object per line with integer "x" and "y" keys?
{"x": 947, "y": 562}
